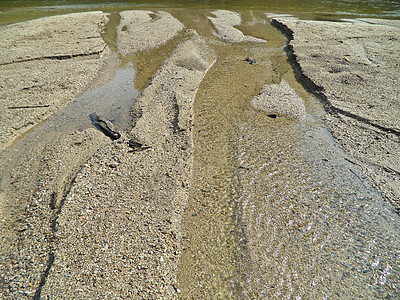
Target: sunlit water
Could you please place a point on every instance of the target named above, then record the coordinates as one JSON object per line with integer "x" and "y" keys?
{"x": 315, "y": 228}
{"x": 112, "y": 100}
{"x": 19, "y": 10}
{"x": 281, "y": 211}
{"x": 277, "y": 209}
{"x": 342, "y": 7}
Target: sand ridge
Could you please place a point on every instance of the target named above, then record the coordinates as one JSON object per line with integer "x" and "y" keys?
{"x": 113, "y": 216}
{"x": 353, "y": 68}
{"x": 280, "y": 99}
{"x": 224, "y": 22}
{"x": 142, "y": 30}
{"x": 46, "y": 63}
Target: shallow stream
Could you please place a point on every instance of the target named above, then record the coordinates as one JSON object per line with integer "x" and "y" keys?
{"x": 276, "y": 210}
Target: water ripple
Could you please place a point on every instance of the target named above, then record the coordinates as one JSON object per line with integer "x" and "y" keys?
{"x": 314, "y": 227}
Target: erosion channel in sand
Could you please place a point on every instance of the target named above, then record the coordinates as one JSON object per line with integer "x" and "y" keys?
{"x": 241, "y": 191}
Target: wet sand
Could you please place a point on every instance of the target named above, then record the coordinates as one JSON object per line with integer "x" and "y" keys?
{"x": 92, "y": 218}
{"x": 352, "y": 67}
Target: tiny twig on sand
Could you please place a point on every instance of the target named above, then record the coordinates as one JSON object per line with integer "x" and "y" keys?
{"x": 28, "y": 106}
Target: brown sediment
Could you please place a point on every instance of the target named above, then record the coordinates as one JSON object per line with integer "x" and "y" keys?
{"x": 225, "y": 22}
{"x": 280, "y": 99}
{"x": 147, "y": 194}
{"x": 147, "y": 62}
{"x": 213, "y": 260}
{"x": 41, "y": 191}
{"x": 154, "y": 31}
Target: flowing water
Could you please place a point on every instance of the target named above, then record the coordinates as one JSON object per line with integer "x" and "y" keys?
{"x": 314, "y": 227}
{"x": 276, "y": 210}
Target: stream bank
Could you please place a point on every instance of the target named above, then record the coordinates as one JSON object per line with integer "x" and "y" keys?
{"x": 218, "y": 194}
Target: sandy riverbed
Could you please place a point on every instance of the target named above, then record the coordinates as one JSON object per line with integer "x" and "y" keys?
{"x": 86, "y": 217}
{"x": 353, "y": 69}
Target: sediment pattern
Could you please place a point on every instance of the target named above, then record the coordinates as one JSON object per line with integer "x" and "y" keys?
{"x": 346, "y": 65}
{"x": 261, "y": 204}
{"x": 224, "y": 22}
{"x": 280, "y": 99}
{"x": 123, "y": 233}
{"x": 46, "y": 63}
{"x": 143, "y": 30}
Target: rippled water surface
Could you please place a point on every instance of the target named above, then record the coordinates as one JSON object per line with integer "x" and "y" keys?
{"x": 276, "y": 210}
{"x": 315, "y": 228}
{"x": 370, "y": 7}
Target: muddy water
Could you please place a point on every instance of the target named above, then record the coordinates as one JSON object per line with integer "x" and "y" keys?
{"x": 277, "y": 210}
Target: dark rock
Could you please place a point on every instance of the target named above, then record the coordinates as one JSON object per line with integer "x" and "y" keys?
{"x": 105, "y": 126}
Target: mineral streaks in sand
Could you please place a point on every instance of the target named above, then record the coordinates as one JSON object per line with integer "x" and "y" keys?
{"x": 120, "y": 226}
{"x": 46, "y": 62}
{"x": 280, "y": 99}
{"x": 143, "y": 30}
{"x": 224, "y": 22}
{"x": 354, "y": 68}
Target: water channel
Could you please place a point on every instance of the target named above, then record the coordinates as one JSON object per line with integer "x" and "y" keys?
{"x": 277, "y": 209}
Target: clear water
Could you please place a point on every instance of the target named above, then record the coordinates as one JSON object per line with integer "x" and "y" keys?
{"x": 314, "y": 227}
{"x": 111, "y": 100}
{"x": 276, "y": 209}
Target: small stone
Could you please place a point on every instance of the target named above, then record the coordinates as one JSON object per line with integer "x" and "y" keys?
{"x": 250, "y": 60}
